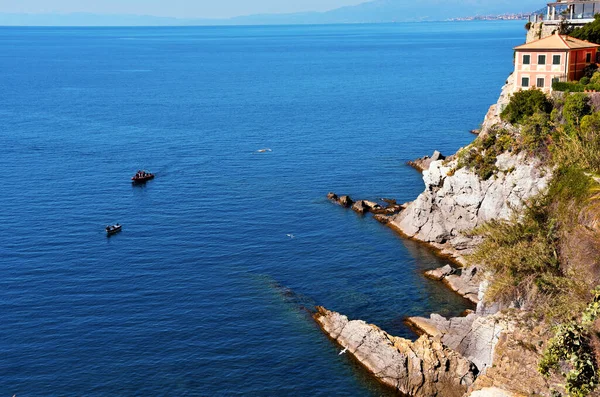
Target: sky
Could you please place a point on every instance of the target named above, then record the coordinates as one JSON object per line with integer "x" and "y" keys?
{"x": 172, "y": 8}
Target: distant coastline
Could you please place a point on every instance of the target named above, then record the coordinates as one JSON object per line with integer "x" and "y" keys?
{"x": 502, "y": 17}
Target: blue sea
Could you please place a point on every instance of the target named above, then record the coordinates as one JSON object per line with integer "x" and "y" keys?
{"x": 205, "y": 292}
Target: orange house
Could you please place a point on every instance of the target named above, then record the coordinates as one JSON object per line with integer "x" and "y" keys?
{"x": 554, "y": 58}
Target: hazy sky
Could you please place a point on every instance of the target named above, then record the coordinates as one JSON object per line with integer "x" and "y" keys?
{"x": 172, "y": 8}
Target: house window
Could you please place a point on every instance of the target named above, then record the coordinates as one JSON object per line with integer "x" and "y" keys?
{"x": 526, "y": 59}
{"x": 588, "y": 57}
{"x": 525, "y": 82}
{"x": 556, "y": 59}
{"x": 541, "y": 59}
{"x": 540, "y": 82}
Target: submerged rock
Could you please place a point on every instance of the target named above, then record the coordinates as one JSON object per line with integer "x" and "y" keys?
{"x": 360, "y": 207}
{"x": 422, "y": 368}
{"x": 344, "y": 201}
{"x": 364, "y": 206}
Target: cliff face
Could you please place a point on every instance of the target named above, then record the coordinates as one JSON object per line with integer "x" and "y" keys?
{"x": 539, "y": 30}
{"x": 454, "y": 203}
{"x": 479, "y": 353}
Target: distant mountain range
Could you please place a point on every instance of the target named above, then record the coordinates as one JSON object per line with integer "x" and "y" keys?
{"x": 377, "y": 11}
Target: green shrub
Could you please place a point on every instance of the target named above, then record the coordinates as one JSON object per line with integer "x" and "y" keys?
{"x": 584, "y": 80}
{"x": 595, "y": 79}
{"x": 528, "y": 25}
{"x": 481, "y": 156}
{"x": 578, "y": 148}
{"x": 535, "y": 131}
{"x": 519, "y": 253}
{"x": 524, "y": 104}
{"x": 571, "y": 347}
{"x": 576, "y": 107}
{"x": 567, "y": 86}
{"x": 590, "y": 124}
{"x": 570, "y": 183}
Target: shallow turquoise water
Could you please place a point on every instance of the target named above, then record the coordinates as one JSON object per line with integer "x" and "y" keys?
{"x": 203, "y": 293}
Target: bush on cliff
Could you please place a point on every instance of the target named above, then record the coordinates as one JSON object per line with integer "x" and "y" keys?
{"x": 520, "y": 253}
{"x": 524, "y": 104}
{"x": 481, "y": 156}
{"x": 578, "y": 147}
{"x": 576, "y": 107}
{"x": 535, "y": 133}
{"x": 571, "y": 347}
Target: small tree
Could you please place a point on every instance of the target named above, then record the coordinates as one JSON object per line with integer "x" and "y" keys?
{"x": 590, "y": 124}
{"x": 535, "y": 131}
{"x": 524, "y": 104}
{"x": 577, "y": 105}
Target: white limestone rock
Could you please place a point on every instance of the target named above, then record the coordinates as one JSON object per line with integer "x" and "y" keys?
{"x": 453, "y": 204}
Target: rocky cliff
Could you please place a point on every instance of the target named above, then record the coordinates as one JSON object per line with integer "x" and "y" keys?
{"x": 456, "y": 201}
{"x": 540, "y": 30}
{"x": 486, "y": 353}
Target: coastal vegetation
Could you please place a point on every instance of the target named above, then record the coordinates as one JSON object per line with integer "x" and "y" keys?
{"x": 589, "y": 32}
{"x": 535, "y": 257}
{"x": 589, "y": 82}
{"x": 482, "y": 155}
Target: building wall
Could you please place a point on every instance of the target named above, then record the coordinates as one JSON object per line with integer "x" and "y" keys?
{"x": 578, "y": 62}
{"x": 575, "y": 59}
{"x": 534, "y": 70}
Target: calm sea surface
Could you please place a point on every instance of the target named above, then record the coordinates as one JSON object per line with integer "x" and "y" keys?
{"x": 203, "y": 293}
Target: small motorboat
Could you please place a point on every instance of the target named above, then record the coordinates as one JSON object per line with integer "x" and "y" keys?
{"x": 113, "y": 229}
{"x": 142, "y": 177}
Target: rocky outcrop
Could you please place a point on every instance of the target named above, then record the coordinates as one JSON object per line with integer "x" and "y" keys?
{"x": 457, "y": 201}
{"x": 474, "y": 337}
{"x": 423, "y": 163}
{"x": 382, "y": 211}
{"x": 360, "y": 207}
{"x": 440, "y": 273}
{"x": 422, "y": 368}
{"x": 466, "y": 282}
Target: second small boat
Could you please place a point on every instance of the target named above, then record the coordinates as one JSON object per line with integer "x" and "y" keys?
{"x": 113, "y": 229}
